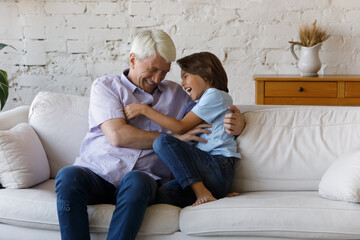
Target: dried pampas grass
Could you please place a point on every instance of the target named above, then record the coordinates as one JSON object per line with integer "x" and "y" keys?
{"x": 310, "y": 35}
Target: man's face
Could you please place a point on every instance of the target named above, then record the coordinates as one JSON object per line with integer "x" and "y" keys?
{"x": 148, "y": 73}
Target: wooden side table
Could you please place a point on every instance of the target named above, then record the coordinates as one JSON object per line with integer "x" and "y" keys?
{"x": 296, "y": 90}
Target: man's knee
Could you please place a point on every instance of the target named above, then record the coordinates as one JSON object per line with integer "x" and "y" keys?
{"x": 137, "y": 186}
{"x": 137, "y": 180}
{"x": 68, "y": 177}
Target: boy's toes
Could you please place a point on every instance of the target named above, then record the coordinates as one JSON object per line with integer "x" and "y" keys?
{"x": 232, "y": 194}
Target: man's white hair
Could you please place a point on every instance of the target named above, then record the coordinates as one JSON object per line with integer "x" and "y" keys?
{"x": 148, "y": 43}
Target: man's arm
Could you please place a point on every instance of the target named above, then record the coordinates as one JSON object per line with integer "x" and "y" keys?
{"x": 121, "y": 134}
{"x": 234, "y": 122}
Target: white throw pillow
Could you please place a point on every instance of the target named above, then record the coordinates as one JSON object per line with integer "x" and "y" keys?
{"x": 341, "y": 180}
{"x": 23, "y": 162}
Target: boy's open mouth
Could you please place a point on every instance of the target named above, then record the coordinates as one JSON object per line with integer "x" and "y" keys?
{"x": 188, "y": 90}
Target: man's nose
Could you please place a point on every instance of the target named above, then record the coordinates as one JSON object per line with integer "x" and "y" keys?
{"x": 157, "y": 77}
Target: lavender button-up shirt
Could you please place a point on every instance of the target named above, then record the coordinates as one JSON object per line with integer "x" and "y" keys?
{"x": 109, "y": 95}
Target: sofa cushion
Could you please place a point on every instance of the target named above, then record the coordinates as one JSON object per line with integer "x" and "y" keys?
{"x": 291, "y": 148}
{"x": 341, "y": 180}
{"x": 36, "y": 208}
{"x": 61, "y": 122}
{"x": 23, "y": 162}
{"x": 280, "y": 214}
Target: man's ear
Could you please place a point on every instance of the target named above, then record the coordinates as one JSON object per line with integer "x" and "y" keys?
{"x": 132, "y": 60}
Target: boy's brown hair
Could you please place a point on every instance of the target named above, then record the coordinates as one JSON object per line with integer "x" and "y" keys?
{"x": 207, "y": 66}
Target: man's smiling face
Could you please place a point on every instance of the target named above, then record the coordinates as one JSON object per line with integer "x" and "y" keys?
{"x": 148, "y": 73}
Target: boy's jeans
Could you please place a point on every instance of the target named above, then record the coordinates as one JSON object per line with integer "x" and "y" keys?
{"x": 190, "y": 164}
{"x": 76, "y": 187}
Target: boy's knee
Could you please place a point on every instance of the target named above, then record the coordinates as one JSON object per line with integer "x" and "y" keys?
{"x": 159, "y": 142}
{"x": 162, "y": 141}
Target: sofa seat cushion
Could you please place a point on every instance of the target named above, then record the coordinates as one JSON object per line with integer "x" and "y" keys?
{"x": 36, "y": 208}
{"x": 274, "y": 214}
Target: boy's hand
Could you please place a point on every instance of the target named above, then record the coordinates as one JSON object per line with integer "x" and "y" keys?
{"x": 133, "y": 110}
{"x": 192, "y": 134}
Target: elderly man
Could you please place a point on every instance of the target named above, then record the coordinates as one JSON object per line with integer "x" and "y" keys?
{"x": 117, "y": 164}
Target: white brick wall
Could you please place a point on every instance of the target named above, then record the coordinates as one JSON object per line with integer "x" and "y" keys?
{"x": 63, "y": 45}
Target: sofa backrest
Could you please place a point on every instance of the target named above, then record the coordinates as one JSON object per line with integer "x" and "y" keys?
{"x": 291, "y": 148}
{"x": 61, "y": 122}
{"x": 282, "y": 148}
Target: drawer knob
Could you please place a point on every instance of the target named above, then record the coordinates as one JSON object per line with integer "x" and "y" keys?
{"x": 301, "y": 89}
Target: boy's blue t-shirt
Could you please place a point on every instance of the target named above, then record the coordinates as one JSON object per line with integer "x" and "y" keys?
{"x": 212, "y": 107}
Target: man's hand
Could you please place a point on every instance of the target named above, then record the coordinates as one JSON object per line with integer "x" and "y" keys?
{"x": 192, "y": 134}
{"x": 234, "y": 122}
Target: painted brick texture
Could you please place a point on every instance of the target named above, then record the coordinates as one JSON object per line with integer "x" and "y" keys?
{"x": 64, "y": 45}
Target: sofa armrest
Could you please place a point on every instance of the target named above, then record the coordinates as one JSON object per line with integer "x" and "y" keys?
{"x": 10, "y": 118}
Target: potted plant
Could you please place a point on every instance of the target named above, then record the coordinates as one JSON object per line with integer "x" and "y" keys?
{"x": 4, "y": 84}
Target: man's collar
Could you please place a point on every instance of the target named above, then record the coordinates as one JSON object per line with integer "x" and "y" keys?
{"x": 161, "y": 87}
{"x": 128, "y": 84}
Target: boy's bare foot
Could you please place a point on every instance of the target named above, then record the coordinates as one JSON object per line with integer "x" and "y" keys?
{"x": 204, "y": 197}
{"x": 232, "y": 194}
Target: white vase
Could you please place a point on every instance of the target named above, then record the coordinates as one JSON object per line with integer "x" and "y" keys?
{"x": 309, "y": 62}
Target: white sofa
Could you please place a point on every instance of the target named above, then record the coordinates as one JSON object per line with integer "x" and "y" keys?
{"x": 287, "y": 151}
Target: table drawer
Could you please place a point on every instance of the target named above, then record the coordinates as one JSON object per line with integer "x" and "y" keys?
{"x": 352, "y": 89}
{"x": 301, "y": 89}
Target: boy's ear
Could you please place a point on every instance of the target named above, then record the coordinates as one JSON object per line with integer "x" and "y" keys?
{"x": 132, "y": 60}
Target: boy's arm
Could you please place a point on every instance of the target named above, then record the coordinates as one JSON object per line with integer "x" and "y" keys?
{"x": 121, "y": 134}
{"x": 190, "y": 121}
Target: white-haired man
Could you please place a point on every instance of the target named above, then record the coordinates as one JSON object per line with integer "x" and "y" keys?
{"x": 117, "y": 164}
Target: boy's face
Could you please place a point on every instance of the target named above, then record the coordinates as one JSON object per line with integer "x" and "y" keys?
{"x": 194, "y": 85}
{"x": 148, "y": 73}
